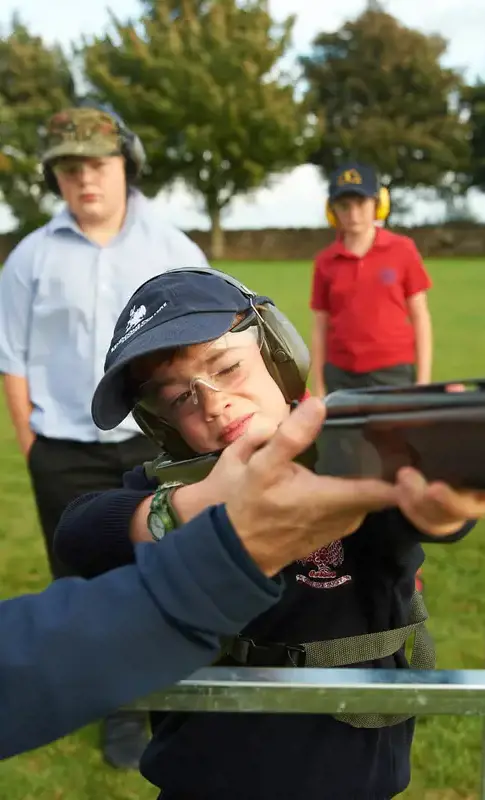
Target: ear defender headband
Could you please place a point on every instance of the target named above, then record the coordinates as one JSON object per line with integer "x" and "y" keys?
{"x": 383, "y": 208}
{"x": 131, "y": 148}
{"x": 284, "y": 353}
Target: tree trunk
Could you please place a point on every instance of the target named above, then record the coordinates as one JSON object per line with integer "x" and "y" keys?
{"x": 217, "y": 235}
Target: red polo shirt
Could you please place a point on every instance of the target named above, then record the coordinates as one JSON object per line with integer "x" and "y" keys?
{"x": 366, "y": 302}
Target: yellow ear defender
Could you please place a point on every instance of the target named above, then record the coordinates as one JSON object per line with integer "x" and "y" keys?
{"x": 383, "y": 208}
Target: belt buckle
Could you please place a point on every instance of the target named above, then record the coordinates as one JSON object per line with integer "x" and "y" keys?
{"x": 295, "y": 655}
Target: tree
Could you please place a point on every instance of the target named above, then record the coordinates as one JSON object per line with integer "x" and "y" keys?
{"x": 201, "y": 83}
{"x": 35, "y": 81}
{"x": 387, "y": 100}
{"x": 474, "y": 105}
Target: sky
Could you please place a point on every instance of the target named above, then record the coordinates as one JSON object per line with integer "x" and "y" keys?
{"x": 295, "y": 199}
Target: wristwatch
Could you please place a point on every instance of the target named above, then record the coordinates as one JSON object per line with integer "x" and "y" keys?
{"x": 162, "y": 518}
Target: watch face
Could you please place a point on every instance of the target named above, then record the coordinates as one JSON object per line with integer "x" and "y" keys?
{"x": 156, "y": 526}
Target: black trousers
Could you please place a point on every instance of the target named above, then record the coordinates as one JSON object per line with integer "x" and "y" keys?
{"x": 399, "y": 375}
{"x": 62, "y": 470}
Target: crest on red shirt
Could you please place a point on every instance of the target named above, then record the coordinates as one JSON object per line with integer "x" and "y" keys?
{"x": 388, "y": 276}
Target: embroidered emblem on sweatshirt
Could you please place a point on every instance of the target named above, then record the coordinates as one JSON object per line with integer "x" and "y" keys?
{"x": 327, "y": 562}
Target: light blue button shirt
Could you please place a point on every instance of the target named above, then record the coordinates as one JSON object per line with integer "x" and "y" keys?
{"x": 60, "y": 297}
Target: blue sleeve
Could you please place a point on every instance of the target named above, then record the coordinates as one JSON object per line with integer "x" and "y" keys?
{"x": 16, "y": 297}
{"x": 93, "y": 533}
{"x": 402, "y": 529}
{"x": 81, "y": 649}
{"x": 389, "y": 534}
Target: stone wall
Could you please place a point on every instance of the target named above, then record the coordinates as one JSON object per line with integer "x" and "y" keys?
{"x": 457, "y": 240}
{"x": 450, "y": 241}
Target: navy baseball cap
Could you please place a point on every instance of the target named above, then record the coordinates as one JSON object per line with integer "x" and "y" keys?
{"x": 354, "y": 178}
{"x": 177, "y": 308}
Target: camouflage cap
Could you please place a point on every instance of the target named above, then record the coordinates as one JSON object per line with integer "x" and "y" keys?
{"x": 81, "y": 132}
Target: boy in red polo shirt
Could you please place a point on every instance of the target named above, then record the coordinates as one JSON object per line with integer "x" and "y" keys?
{"x": 371, "y": 320}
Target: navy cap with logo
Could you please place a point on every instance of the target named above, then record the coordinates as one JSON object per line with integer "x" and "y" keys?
{"x": 175, "y": 309}
{"x": 354, "y": 178}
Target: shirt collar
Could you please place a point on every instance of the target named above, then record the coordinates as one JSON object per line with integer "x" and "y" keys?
{"x": 64, "y": 220}
{"x": 382, "y": 241}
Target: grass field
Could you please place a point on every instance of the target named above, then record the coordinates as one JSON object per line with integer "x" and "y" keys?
{"x": 447, "y": 752}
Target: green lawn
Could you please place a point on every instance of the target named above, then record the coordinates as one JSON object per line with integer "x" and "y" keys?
{"x": 446, "y": 764}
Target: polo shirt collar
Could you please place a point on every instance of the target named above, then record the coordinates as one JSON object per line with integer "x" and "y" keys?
{"x": 382, "y": 241}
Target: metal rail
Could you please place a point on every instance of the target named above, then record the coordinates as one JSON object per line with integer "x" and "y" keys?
{"x": 327, "y": 691}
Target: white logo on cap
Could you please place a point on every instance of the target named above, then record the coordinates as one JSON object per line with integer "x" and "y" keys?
{"x": 136, "y": 316}
{"x": 136, "y": 321}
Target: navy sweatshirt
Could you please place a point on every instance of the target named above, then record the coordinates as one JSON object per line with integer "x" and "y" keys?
{"x": 80, "y": 649}
{"x": 360, "y": 585}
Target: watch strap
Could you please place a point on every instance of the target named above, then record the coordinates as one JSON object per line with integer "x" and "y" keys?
{"x": 161, "y": 506}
